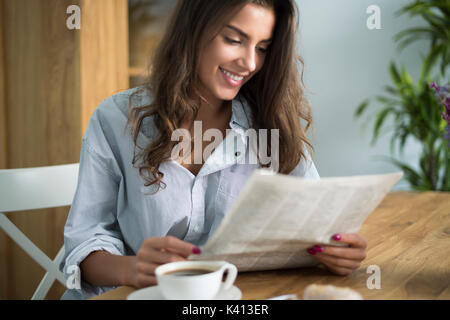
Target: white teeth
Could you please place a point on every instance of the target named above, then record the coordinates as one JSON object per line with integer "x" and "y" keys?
{"x": 236, "y": 78}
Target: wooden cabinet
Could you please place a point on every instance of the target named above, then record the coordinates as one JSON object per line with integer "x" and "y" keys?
{"x": 147, "y": 21}
{"x": 51, "y": 79}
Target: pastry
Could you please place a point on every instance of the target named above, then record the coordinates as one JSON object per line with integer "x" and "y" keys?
{"x": 329, "y": 292}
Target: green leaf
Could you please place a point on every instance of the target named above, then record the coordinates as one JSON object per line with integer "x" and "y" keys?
{"x": 389, "y": 101}
{"x": 392, "y": 144}
{"x": 361, "y": 108}
{"x": 380, "y": 118}
{"x": 403, "y": 138}
{"x": 399, "y": 134}
{"x": 439, "y": 29}
{"x": 408, "y": 32}
{"x": 408, "y": 36}
{"x": 445, "y": 58}
{"x": 395, "y": 76}
{"x": 407, "y": 80}
{"x": 410, "y": 174}
{"x": 391, "y": 90}
{"x": 425, "y": 166}
{"x": 445, "y": 184}
{"x": 429, "y": 62}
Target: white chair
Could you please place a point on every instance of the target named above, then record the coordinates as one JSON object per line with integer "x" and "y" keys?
{"x": 37, "y": 188}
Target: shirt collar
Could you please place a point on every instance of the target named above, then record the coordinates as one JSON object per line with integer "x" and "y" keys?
{"x": 240, "y": 122}
{"x": 241, "y": 116}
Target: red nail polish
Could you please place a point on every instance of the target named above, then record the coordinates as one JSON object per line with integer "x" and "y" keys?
{"x": 196, "y": 250}
{"x": 337, "y": 237}
{"x": 318, "y": 248}
{"x": 311, "y": 251}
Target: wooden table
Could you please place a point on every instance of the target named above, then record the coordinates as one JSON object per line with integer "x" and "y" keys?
{"x": 409, "y": 239}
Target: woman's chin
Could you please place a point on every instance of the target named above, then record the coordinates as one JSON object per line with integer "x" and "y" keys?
{"x": 228, "y": 94}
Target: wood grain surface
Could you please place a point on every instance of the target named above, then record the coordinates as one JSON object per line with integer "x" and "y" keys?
{"x": 53, "y": 79}
{"x": 104, "y": 52}
{"x": 3, "y": 157}
{"x": 3, "y": 141}
{"x": 409, "y": 237}
{"x": 43, "y": 126}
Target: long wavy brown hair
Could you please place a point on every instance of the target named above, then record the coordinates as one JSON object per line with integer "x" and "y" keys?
{"x": 275, "y": 94}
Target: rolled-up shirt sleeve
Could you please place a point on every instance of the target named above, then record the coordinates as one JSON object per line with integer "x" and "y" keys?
{"x": 92, "y": 222}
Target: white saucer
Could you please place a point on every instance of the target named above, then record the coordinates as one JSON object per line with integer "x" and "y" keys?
{"x": 153, "y": 293}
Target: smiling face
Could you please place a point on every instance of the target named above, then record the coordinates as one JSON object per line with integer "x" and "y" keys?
{"x": 236, "y": 54}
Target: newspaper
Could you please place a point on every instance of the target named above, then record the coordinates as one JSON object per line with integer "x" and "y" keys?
{"x": 277, "y": 217}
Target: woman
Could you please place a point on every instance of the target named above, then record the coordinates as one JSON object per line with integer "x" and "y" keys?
{"x": 230, "y": 66}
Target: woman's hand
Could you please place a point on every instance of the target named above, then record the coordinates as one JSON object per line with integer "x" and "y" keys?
{"x": 342, "y": 260}
{"x": 153, "y": 253}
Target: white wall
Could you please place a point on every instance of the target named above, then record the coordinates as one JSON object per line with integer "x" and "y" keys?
{"x": 345, "y": 63}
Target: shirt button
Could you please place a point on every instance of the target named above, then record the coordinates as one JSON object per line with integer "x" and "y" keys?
{"x": 196, "y": 228}
{"x": 237, "y": 153}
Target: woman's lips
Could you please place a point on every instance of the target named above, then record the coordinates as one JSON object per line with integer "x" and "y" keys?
{"x": 231, "y": 82}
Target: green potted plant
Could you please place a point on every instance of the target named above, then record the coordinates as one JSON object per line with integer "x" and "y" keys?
{"x": 416, "y": 111}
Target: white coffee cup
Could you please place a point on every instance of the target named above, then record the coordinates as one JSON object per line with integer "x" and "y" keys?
{"x": 194, "y": 280}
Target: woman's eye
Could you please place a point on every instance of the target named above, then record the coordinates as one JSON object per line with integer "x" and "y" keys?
{"x": 231, "y": 40}
{"x": 264, "y": 50}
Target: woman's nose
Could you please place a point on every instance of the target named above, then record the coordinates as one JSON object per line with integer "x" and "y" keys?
{"x": 249, "y": 60}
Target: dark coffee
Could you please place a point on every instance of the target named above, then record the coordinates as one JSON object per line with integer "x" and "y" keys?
{"x": 188, "y": 272}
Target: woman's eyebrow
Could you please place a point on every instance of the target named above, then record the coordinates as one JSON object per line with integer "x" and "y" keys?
{"x": 242, "y": 33}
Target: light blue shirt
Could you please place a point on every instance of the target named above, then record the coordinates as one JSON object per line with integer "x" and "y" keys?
{"x": 112, "y": 209}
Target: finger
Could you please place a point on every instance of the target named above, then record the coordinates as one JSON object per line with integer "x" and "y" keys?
{"x": 338, "y": 262}
{"x": 322, "y": 266}
{"x": 146, "y": 268}
{"x": 339, "y": 270}
{"x": 353, "y": 239}
{"x": 143, "y": 281}
{"x": 173, "y": 244}
{"x": 345, "y": 253}
{"x": 161, "y": 257}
